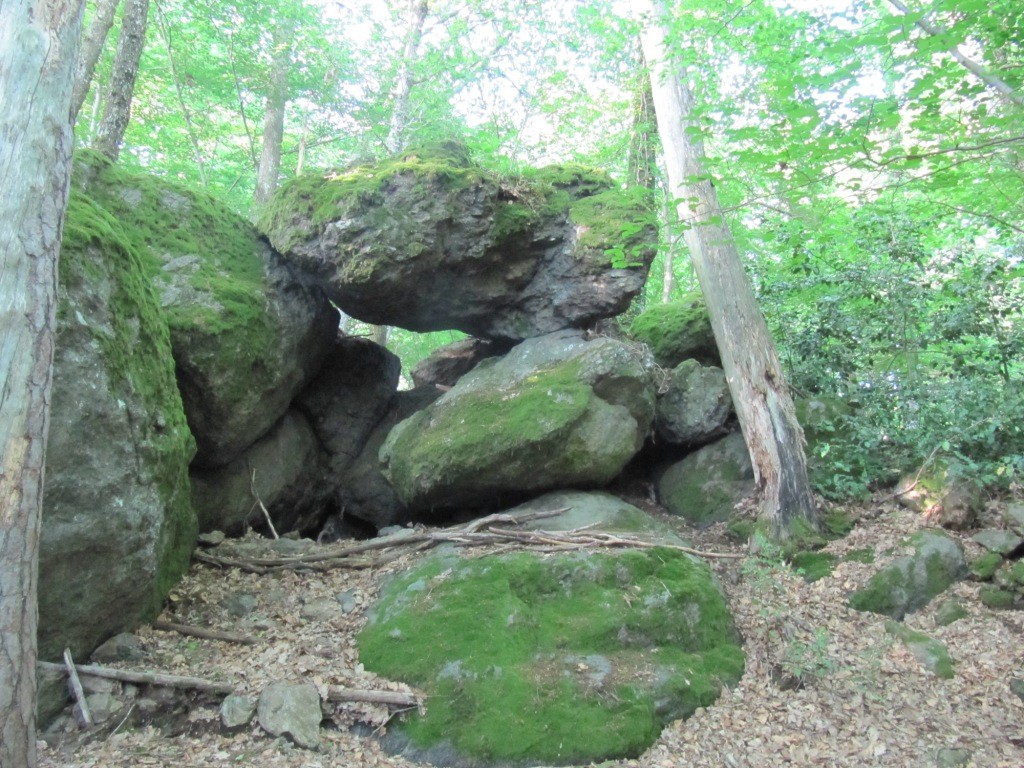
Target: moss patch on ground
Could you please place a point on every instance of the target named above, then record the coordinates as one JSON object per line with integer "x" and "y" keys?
{"x": 813, "y": 565}
{"x": 563, "y": 659}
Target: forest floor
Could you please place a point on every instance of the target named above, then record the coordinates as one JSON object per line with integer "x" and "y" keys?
{"x": 824, "y": 685}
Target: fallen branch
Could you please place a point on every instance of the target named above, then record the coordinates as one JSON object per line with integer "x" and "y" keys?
{"x": 336, "y": 693}
{"x": 481, "y": 532}
{"x": 259, "y": 501}
{"x": 206, "y": 634}
{"x": 144, "y": 678}
{"x": 76, "y": 688}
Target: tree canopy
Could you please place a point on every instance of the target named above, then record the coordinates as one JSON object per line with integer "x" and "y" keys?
{"x": 868, "y": 157}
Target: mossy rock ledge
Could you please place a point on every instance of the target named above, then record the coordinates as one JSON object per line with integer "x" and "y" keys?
{"x": 428, "y": 241}
{"x": 118, "y": 523}
{"x": 678, "y": 331}
{"x": 557, "y": 411}
{"x": 246, "y": 334}
{"x": 530, "y": 660}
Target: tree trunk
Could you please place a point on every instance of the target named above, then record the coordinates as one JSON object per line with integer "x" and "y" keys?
{"x": 118, "y": 108}
{"x": 759, "y": 392}
{"x": 92, "y": 47}
{"x": 273, "y": 119}
{"x": 991, "y": 80}
{"x": 38, "y": 53}
{"x": 418, "y": 10}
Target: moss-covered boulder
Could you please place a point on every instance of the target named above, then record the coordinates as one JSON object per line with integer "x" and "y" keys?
{"x": 428, "y": 241}
{"x": 245, "y": 333}
{"x": 909, "y": 583}
{"x": 557, "y": 411}
{"x": 694, "y": 405}
{"x": 931, "y": 653}
{"x": 706, "y": 485}
{"x": 677, "y": 331}
{"x": 595, "y": 511}
{"x": 553, "y": 660}
{"x": 118, "y": 523}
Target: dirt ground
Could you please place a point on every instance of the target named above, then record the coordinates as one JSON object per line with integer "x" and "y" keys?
{"x": 824, "y": 685}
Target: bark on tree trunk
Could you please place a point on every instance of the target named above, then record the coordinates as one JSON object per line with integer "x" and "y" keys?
{"x": 38, "y": 53}
{"x": 118, "y": 108}
{"x": 273, "y": 119}
{"x": 418, "y": 10}
{"x": 92, "y": 46}
{"x": 759, "y": 392}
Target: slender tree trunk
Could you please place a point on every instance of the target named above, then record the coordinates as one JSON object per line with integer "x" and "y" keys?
{"x": 38, "y": 52}
{"x": 991, "y": 80}
{"x": 300, "y": 162}
{"x": 118, "y": 109}
{"x": 759, "y": 392}
{"x": 197, "y": 153}
{"x": 273, "y": 119}
{"x": 418, "y": 10}
{"x": 92, "y": 47}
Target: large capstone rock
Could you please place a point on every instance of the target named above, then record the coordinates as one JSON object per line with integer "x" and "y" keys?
{"x": 245, "y": 333}
{"x": 553, "y": 660}
{"x": 909, "y": 583}
{"x": 557, "y": 411}
{"x": 118, "y": 523}
{"x": 677, "y": 331}
{"x": 706, "y": 485}
{"x": 283, "y": 471}
{"x": 694, "y": 405}
{"x": 430, "y": 242}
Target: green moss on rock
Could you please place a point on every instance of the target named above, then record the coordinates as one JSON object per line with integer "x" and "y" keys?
{"x": 677, "y": 331}
{"x": 563, "y": 659}
{"x": 932, "y": 653}
{"x": 984, "y": 566}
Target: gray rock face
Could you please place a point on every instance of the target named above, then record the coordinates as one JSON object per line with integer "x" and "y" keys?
{"x": 118, "y": 521}
{"x": 431, "y": 243}
{"x": 556, "y": 411}
{"x": 362, "y": 490}
{"x": 246, "y": 334}
{"x": 349, "y": 397}
{"x": 288, "y": 464}
{"x": 236, "y": 383}
{"x": 706, "y": 485}
{"x": 909, "y": 583}
{"x": 999, "y": 541}
{"x": 292, "y": 710}
{"x": 695, "y": 406}
{"x": 236, "y": 711}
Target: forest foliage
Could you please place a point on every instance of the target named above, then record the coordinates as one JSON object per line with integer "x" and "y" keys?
{"x": 869, "y": 154}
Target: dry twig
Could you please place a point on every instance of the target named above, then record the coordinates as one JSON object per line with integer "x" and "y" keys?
{"x": 206, "y": 634}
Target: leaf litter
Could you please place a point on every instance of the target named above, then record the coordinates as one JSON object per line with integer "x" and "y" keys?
{"x": 824, "y": 685}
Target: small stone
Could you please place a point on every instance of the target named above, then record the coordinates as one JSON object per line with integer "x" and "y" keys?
{"x": 291, "y": 546}
{"x": 240, "y": 604}
{"x": 211, "y": 538}
{"x": 348, "y": 602}
{"x": 1017, "y": 687}
{"x": 102, "y": 706}
{"x": 122, "y": 647}
{"x": 994, "y": 540}
{"x": 952, "y": 758}
{"x": 324, "y": 610}
{"x": 292, "y": 710}
{"x": 236, "y": 711}
{"x": 1014, "y": 517}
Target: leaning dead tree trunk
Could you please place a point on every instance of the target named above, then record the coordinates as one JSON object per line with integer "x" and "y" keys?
{"x": 990, "y": 79}
{"x": 118, "y": 108}
{"x": 762, "y": 400}
{"x": 273, "y": 120}
{"x": 38, "y": 53}
{"x": 92, "y": 46}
